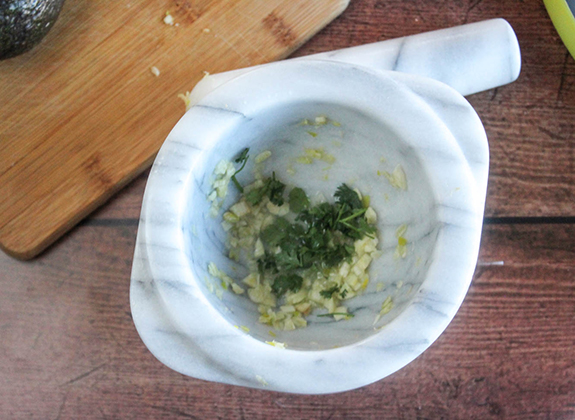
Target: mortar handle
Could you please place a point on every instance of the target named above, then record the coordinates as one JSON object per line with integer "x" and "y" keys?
{"x": 470, "y": 58}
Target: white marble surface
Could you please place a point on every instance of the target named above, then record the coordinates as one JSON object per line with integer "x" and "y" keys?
{"x": 470, "y": 58}
{"x": 426, "y": 126}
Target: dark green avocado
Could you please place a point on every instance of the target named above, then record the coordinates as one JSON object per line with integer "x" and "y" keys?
{"x": 23, "y": 24}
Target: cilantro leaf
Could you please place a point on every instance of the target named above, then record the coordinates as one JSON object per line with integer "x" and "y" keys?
{"x": 255, "y": 196}
{"x": 242, "y": 158}
{"x": 321, "y": 237}
{"x": 329, "y": 292}
{"x": 274, "y": 233}
{"x": 275, "y": 190}
{"x": 272, "y": 188}
{"x": 345, "y": 195}
{"x": 288, "y": 260}
{"x": 267, "y": 263}
{"x": 285, "y": 282}
{"x": 298, "y": 200}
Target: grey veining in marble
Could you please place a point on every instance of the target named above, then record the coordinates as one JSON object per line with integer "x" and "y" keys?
{"x": 384, "y": 118}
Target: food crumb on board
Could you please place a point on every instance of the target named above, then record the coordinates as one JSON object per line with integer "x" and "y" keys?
{"x": 155, "y": 71}
{"x": 206, "y": 30}
{"x": 186, "y": 98}
{"x": 169, "y": 19}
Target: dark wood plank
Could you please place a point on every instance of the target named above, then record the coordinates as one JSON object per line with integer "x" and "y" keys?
{"x": 69, "y": 349}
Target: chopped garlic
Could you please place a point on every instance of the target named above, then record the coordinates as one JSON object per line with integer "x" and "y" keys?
{"x": 251, "y": 280}
{"x": 370, "y": 216}
{"x": 401, "y": 230}
{"x": 261, "y": 380}
{"x": 401, "y": 249}
{"x": 169, "y": 19}
{"x": 386, "y": 307}
{"x": 243, "y": 328}
{"x": 263, "y": 156}
{"x": 186, "y": 98}
{"x": 223, "y": 172}
{"x": 209, "y": 285}
{"x": 305, "y": 160}
{"x": 276, "y": 344}
{"x": 219, "y": 274}
{"x": 397, "y": 178}
{"x": 259, "y": 249}
{"x": 240, "y": 209}
{"x": 314, "y": 153}
{"x": 278, "y": 210}
{"x": 155, "y": 71}
{"x": 237, "y": 289}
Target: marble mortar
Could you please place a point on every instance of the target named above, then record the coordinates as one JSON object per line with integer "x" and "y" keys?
{"x": 384, "y": 117}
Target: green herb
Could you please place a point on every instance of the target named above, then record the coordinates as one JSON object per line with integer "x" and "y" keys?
{"x": 285, "y": 282}
{"x": 322, "y": 236}
{"x": 329, "y": 292}
{"x": 345, "y": 195}
{"x": 272, "y": 188}
{"x": 339, "y": 313}
{"x": 344, "y": 215}
{"x": 275, "y": 190}
{"x": 298, "y": 200}
{"x": 255, "y": 196}
{"x": 267, "y": 263}
{"x": 242, "y": 158}
{"x": 274, "y": 233}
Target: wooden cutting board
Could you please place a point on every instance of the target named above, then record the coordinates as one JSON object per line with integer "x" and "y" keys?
{"x": 83, "y": 114}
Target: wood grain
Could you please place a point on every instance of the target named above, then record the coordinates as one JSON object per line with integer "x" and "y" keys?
{"x": 69, "y": 349}
{"x": 83, "y": 114}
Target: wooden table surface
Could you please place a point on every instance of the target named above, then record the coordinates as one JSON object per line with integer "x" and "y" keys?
{"x": 69, "y": 349}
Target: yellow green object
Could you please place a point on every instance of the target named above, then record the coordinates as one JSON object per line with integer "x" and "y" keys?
{"x": 564, "y": 21}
